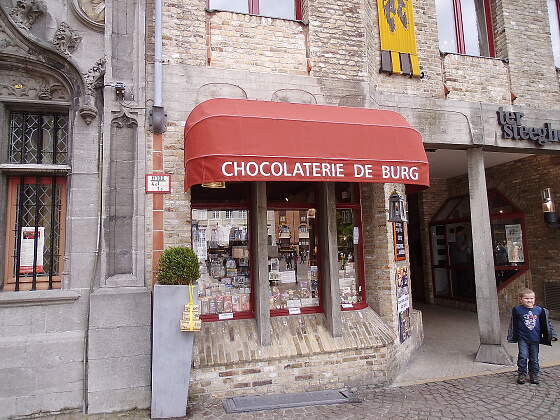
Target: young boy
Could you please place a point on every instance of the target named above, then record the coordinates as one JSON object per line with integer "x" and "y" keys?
{"x": 529, "y": 326}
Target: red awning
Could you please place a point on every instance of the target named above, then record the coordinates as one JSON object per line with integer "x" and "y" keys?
{"x": 242, "y": 140}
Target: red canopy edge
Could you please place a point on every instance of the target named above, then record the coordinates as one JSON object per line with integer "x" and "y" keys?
{"x": 245, "y": 140}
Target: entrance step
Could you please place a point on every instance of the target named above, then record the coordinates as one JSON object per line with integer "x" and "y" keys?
{"x": 299, "y": 399}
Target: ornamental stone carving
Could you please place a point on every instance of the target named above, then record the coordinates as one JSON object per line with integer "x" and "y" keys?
{"x": 94, "y": 76}
{"x": 26, "y": 12}
{"x": 16, "y": 83}
{"x": 66, "y": 39}
{"x": 93, "y": 79}
{"x": 91, "y": 12}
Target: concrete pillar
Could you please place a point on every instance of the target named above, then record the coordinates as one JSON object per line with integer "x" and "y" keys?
{"x": 491, "y": 349}
{"x": 329, "y": 258}
{"x": 259, "y": 246}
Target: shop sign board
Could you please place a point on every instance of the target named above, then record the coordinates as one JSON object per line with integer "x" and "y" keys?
{"x": 403, "y": 305}
{"x": 398, "y": 241}
{"x": 158, "y": 183}
{"x": 514, "y": 129}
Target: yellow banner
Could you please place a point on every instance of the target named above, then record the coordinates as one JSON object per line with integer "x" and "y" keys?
{"x": 396, "y": 28}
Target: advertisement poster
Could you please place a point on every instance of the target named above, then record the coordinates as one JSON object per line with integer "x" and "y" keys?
{"x": 403, "y": 305}
{"x": 28, "y": 247}
{"x": 398, "y": 241}
{"x": 514, "y": 244}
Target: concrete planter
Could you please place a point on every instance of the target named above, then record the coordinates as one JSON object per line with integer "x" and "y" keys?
{"x": 171, "y": 353}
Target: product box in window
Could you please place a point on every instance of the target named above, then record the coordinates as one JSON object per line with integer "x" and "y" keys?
{"x": 228, "y": 305}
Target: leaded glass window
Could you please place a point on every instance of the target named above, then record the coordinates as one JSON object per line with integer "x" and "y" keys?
{"x": 38, "y": 138}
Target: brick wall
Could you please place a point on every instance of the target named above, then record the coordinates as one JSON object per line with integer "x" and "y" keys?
{"x": 521, "y": 181}
{"x": 529, "y": 49}
{"x": 337, "y": 39}
{"x": 476, "y": 79}
{"x": 256, "y": 43}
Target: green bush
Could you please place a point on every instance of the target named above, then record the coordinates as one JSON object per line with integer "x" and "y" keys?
{"x": 178, "y": 265}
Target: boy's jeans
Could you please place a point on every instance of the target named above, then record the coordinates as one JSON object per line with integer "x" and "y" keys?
{"x": 528, "y": 350}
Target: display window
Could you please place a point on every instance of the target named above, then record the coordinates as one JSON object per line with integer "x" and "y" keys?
{"x": 220, "y": 239}
{"x": 293, "y": 270}
{"x": 293, "y": 248}
{"x": 452, "y": 249}
{"x": 349, "y": 247}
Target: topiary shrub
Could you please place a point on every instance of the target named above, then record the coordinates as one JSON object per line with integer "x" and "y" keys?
{"x": 178, "y": 265}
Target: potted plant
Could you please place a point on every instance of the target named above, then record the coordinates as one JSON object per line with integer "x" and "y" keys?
{"x": 177, "y": 272}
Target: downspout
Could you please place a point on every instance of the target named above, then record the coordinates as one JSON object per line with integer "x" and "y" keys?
{"x": 159, "y": 121}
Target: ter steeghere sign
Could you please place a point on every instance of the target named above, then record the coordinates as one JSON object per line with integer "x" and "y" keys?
{"x": 514, "y": 129}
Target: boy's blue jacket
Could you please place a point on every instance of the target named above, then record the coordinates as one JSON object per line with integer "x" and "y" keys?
{"x": 547, "y": 331}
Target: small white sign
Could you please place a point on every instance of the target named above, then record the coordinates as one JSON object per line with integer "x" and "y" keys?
{"x": 227, "y": 315}
{"x": 347, "y": 305}
{"x": 294, "y": 311}
{"x": 158, "y": 183}
{"x": 356, "y": 235}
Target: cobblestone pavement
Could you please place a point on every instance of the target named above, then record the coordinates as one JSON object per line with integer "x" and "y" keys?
{"x": 494, "y": 396}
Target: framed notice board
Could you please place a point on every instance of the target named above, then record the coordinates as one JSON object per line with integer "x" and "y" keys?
{"x": 398, "y": 241}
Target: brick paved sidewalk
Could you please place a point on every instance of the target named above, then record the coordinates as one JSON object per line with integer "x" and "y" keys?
{"x": 494, "y": 396}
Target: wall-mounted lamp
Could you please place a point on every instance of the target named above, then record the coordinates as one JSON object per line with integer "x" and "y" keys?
{"x": 549, "y": 208}
{"x": 216, "y": 184}
{"x": 397, "y": 210}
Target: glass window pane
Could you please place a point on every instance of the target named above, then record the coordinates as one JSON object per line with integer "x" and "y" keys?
{"x": 554, "y": 30}
{"x": 446, "y": 26}
{"x": 292, "y": 259}
{"x": 347, "y": 235}
{"x": 220, "y": 240}
{"x": 461, "y": 265}
{"x": 241, "y": 6}
{"x": 507, "y": 241}
{"x": 284, "y": 9}
{"x": 470, "y": 27}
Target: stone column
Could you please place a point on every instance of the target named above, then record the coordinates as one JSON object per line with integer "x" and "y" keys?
{"x": 259, "y": 246}
{"x": 329, "y": 258}
{"x": 491, "y": 349}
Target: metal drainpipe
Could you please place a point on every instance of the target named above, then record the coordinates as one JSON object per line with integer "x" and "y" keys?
{"x": 158, "y": 115}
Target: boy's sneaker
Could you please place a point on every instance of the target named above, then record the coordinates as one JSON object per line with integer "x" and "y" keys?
{"x": 534, "y": 379}
{"x": 520, "y": 379}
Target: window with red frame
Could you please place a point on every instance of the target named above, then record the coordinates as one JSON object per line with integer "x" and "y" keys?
{"x": 554, "y": 20}
{"x": 465, "y": 27}
{"x": 349, "y": 246}
{"x": 282, "y": 9}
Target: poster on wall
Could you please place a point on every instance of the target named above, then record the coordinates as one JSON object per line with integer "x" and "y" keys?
{"x": 403, "y": 303}
{"x": 514, "y": 243}
{"x": 27, "y": 253}
{"x": 398, "y": 241}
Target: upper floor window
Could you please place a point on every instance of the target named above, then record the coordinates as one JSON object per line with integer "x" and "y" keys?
{"x": 465, "y": 27}
{"x": 554, "y": 19}
{"x": 38, "y": 138}
{"x": 283, "y": 9}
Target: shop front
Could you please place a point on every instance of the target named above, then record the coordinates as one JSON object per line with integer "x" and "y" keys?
{"x": 300, "y": 270}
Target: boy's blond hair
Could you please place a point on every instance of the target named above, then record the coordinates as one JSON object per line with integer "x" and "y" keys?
{"x": 525, "y": 291}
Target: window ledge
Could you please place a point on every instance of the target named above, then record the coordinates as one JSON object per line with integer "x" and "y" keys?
{"x": 34, "y": 168}
{"x": 252, "y": 14}
{"x": 38, "y": 297}
{"x": 446, "y": 53}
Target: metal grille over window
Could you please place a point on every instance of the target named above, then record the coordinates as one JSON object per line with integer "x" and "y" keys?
{"x": 38, "y": 138}
{"x": 36, "y": 212}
